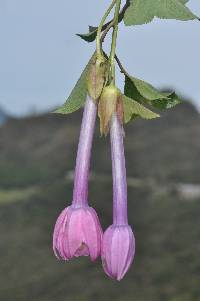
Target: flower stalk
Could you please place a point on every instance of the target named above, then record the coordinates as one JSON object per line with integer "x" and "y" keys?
{"x": 98, "y": 38}
{"x": 114, "y": 40}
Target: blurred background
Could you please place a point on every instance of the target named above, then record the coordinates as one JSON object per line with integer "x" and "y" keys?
{"x": 40, "y": 61}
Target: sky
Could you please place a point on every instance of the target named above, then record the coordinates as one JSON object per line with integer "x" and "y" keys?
{"x": 41, "y": 58}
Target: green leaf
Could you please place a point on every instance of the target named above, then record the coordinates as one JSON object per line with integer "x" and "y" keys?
{"x": 78, "y": 95}
{"x": 143, "y": 11}
{"x": 143, "y": 92}
{"x": 134, "y": 109}
{"x": 131, "y": 91}
{"x": 169, "y": 103}
{"x": 92, "y": 28}
{"x": 90, "y": 36}
{"x": 140, "y": 90}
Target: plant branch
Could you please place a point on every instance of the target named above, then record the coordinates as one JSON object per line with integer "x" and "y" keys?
{"x": 110, "y": 24}
{"x": 122, "y": 69}
{"x": 98, "y": 38}
{"x": 114, "y": 41}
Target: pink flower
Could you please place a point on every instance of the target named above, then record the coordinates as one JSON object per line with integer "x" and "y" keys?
{"x": 118, "y": 246}
{"x": 118, "y": 250}
{"x": 77, "y": 233}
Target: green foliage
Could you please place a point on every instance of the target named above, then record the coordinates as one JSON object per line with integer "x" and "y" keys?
{"x": 144, "y": 89}
{"x": 183, "y": 1}
{"x": 77, "y": 97}
{"x": 90, "y": 36}
{"x": 166, "y": 270}
{"x": 13, "y": 195}
{"x": 144, "y": 92}
{"x": 93, "y": 77}
{"x": 134, "y": 109}
{"x": 143, "y": 11}
{"x": 169, "y": 103}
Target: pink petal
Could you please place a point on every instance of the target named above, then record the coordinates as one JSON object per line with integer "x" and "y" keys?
{"x": 106, "y": 250}
{"x": 57, "y": 231}
{"x": 92, "y": 233}
{"x": 75, "y": 233}
{"x": 131, "y": 253}
{"x": 119, "y": 251}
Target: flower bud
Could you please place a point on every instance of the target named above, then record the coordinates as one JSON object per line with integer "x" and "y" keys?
{"x": 77, "y": 233}
{"x": 118, "y": 249}
{"x": 97, "y": 75}
{"x": 110, "y": 102}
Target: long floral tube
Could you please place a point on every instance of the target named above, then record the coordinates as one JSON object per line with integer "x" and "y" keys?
{"x": 80, "y": 193}
{"x": 118, "y": 173}
{"x": 118, "y": 245}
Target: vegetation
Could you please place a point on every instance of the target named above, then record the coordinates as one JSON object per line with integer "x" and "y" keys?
{"x": 36, "y": 161}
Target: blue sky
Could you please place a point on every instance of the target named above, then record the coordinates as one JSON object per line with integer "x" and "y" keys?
{"x": 41, "y": 58}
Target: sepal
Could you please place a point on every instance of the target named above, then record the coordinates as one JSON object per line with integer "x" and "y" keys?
{"x": 97, "y": 76}
{"x": 110, "y": 102}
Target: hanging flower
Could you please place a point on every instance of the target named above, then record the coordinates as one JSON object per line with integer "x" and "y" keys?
{"x": 118, "y": 250}
{"x": 78, "y": 231}
{"x": 118, "y": 246}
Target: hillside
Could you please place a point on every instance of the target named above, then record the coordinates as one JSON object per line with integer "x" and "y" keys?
{"x": 37, "y": 157}
{"x": 3, "y": 116}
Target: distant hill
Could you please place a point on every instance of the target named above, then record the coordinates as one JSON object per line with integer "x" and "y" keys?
{"x": 37, "y": 157}
{"x": 166, "y": 148}
{"x": 3, "y": 116}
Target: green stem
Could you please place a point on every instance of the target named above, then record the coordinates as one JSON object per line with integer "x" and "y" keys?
{"x": 98, "y": 38}
{"x": 110, "y": 24}
{"x": 114, "y": 41}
